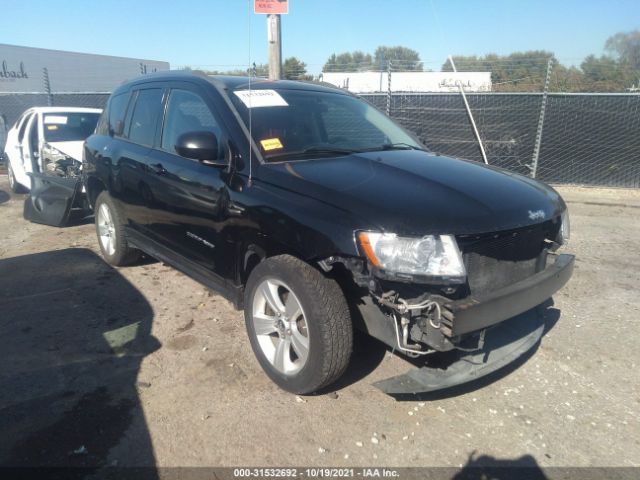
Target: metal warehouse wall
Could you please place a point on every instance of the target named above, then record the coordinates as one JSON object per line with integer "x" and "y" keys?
{"x": 590, "y": 139}
{"x": 22, "y": 69}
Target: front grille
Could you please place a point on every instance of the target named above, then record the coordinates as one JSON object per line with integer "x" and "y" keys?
{"x": 496, "y": 260}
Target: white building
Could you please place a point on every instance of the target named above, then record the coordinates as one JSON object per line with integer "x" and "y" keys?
{"x": 368, "y": 82}
{"x": 22, "y": 70}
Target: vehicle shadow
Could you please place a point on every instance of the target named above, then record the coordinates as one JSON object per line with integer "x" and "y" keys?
{"x": 549, "y": 315}
{"x": 80, "y": 218}
{"x": 4, "y": 196}
{"x": 73, "y": 333}
{"x": 486, "y": 466}
{"x": 367, "y": 354}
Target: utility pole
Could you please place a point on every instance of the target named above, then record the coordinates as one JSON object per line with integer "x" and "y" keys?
{"x": 275, "y": 46}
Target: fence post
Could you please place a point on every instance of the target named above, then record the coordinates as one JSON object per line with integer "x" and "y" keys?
{"x": 47, "y": 86}
{"x": 466, "y": 104}
{"x": 389, "y": 88}
{"x": 381, "y": 69}
{"x": 536, "y": 148}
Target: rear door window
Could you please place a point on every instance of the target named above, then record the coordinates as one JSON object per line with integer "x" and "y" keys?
{"x": 116, "y": 112}
{"x": 144, "y": 120}
{"x": 23, "y": 127}
{"x": 3, "y": 133}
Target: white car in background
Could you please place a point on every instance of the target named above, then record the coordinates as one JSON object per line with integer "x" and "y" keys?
{"x": 47, "y": 142}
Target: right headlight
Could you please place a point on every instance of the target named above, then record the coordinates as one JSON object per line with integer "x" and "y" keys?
{"x": 429, "y": 256}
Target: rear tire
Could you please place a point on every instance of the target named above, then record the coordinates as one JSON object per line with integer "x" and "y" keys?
{"x": 310, "y": 323}
{"x": 13, "y": 183}
{"x": 110, "y": 231}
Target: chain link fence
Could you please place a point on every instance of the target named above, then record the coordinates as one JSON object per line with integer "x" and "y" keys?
{"x": 12, "y": 105}
{"x": 589, "y": 139}
{"x": 585, "y": 138}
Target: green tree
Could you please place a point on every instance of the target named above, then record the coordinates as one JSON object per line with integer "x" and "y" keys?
{"x": 567, "y": 79}
{"x": 401, "y": 58}
{"x": 294, "y": 69}
{"x": 518, "y": 71}
{"x": 259, "y": 70}
{"x": 607, "y": 74}
{"x": 348, "y": 62}
{"x": 625, "y": 47}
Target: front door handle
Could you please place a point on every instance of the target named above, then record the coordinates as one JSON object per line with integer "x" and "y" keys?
{"x": 158, "y": 168}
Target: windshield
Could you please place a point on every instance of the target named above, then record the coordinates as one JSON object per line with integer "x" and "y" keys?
{"x": 69, "y": 127}
{"x": 290, "y": 124}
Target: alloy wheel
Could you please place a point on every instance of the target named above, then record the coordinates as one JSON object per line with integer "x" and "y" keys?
{"x": 106, "y": 229}
{"x": 12, "y": 179}
{"x": 280, "y": 325}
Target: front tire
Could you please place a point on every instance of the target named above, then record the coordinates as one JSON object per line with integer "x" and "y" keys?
{"x": 110, "y": 230}
{"x": 298, "y": 323}
{"x": 13, "y": 183}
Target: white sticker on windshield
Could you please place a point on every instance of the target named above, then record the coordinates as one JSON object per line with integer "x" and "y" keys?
{"x": 55, "y": 120}
{"x": 261, "y": 98}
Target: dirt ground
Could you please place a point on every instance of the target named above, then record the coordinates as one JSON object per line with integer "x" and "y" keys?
{"x": 143, "y": 366}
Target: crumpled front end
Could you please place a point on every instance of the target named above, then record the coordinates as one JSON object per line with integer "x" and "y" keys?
{"x": 501, "y": 345}
{"x": 480, "y": 325}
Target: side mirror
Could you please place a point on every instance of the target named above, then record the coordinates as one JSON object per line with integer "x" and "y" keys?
{"x": 201, "y": 146}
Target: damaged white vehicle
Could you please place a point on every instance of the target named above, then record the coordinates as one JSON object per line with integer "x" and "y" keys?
{"x": 44, "y": 157}
{"x": 47, "y": 140}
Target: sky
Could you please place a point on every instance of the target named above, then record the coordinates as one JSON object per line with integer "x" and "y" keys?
{"x": 219, "y": 34}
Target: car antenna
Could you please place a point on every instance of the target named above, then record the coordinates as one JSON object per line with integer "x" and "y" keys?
{"x": 249, "y": 71}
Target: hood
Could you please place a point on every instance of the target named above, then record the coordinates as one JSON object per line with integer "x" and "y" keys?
{"x": 73, "y": 149}
{"x": 411, "y": 192}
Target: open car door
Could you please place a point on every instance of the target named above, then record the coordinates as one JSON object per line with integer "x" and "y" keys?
{"x": 56, "y": 186}
{"x": 51, "y": 199}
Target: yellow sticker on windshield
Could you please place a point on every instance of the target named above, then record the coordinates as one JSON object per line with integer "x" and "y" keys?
{"x": 52, "y": 127}
{"x": 271, "y": 144}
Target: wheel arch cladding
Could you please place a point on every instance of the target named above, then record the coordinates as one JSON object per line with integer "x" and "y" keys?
{"x": 94, "y": 188}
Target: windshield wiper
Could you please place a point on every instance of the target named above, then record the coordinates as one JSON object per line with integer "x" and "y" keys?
{"x": 394, "y": 146}
{"x": 315, "y": 150}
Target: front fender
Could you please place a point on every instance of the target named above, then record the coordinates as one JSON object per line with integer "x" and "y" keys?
{"x": 289, "y": 221}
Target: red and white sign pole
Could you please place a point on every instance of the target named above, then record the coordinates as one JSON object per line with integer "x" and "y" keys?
{"x": 273, "y": 9}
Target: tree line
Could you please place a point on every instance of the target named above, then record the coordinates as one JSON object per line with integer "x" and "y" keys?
{"x": 618, "y": 70}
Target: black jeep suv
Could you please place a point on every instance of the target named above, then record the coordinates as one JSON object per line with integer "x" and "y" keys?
{"x": 317, "y": 214}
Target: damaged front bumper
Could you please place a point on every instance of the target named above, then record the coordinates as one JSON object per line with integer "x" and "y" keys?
{"x": 503, "y": 322}
{"x": 503, "y": 345}
{"x": 474, "y": 313}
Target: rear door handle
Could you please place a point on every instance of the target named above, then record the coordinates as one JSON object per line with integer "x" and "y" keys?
{"x": 158, "y": 168}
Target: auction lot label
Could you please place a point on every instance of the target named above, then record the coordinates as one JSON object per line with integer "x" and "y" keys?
{"x": 261, "y": 98}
